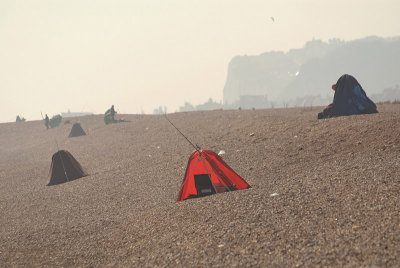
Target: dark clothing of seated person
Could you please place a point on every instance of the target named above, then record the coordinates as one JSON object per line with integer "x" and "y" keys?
{"x": 349, "y": 99}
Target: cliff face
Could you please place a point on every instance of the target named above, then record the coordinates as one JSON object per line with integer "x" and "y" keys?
{"x": 266, "y": 74}
{"x": 311, "y": 70}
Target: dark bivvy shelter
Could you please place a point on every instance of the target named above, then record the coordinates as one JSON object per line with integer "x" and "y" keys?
{"x": 19, "y": 119}
{"x": 64, "y": 168}
{"x": 76, "y": 131}
{"x": 350, "y": 98}
{"x": 55, "y": 121}
{"x": 207, "y": 174}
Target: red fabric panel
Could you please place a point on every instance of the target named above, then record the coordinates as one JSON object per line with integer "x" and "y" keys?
{"x": 225, "y": 170}
{"x": 209, "y": 163}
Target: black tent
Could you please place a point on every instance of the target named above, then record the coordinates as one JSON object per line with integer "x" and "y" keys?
{"x": 349, "y": 99}
{"x": 76, "y": 131}
{"x": 64, "y": 168}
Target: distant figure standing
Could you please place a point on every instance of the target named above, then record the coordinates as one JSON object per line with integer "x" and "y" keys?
{"x": 112, "y": 113}
{"x": 46, "y": 121}
{"x": 18, "y": 119}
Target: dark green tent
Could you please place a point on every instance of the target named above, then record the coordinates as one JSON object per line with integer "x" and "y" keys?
{"x": 55, "y": 121}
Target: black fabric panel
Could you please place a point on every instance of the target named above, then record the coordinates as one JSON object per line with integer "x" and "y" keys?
{"x": 64, "y": 168}
{"x": 350, "y": 98}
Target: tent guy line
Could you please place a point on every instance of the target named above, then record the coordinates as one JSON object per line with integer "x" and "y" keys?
{"x": 62, "y": 162}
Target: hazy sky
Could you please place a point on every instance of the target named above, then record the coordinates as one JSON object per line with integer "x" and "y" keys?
{"x": 85, "y": 55}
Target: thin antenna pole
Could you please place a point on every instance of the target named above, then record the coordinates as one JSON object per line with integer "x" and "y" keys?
{"x": 62, "y": 162}
{"x": 194, "y": 146}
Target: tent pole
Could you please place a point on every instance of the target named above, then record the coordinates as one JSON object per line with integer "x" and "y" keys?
{"x": 209, "y": 175}
{"x": 62, "y": 162}
{"x": 222, "y": 177}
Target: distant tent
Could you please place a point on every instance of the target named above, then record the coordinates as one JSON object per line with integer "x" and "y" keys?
{"x": 108, "y": 119}
{"x": 206, "y": 174}
{"x": 76, "y": 131}
{"x": 19, "y": 119}
{"x": 64, "y": 168}
{"x": 349, "y": 99}
{"x": 55, "y": 121}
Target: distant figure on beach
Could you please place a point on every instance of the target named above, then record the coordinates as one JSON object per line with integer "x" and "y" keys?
{"x": 19, "y": 119}
{"x": 109, "y": 116}
{"x": 46, "y": 121}
{"x": 112, "y": 113}
{"x": 326, "y": 112}
{"x": 349, "y": 98}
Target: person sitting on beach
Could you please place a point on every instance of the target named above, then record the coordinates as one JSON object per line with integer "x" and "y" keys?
{"x": 109, "y": 116}
{"x": 326, "y": 112}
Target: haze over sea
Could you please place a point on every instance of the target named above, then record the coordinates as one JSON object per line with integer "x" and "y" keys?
{"x": 86, "y": 55}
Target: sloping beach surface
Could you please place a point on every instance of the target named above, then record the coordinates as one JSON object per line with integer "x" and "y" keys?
{"x": 324, "y": 192}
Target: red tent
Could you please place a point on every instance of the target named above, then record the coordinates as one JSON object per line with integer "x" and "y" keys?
{"x": 206, "y": 173}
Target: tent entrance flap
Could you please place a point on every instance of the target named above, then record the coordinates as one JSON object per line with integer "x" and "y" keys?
{"x": 203, "y": 185}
